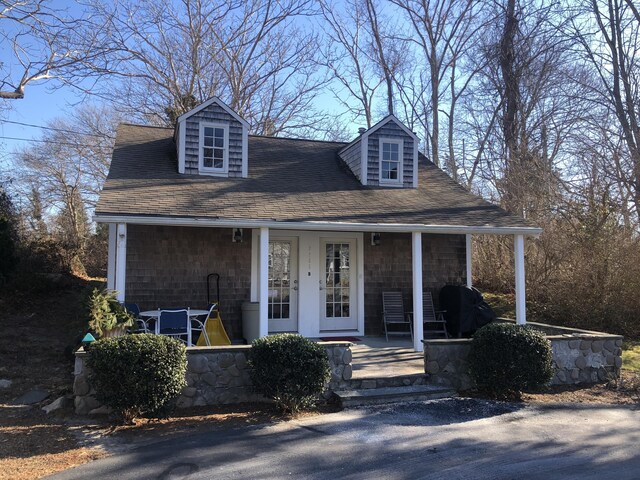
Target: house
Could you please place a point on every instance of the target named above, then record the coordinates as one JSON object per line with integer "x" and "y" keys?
{"x": 313, "y": 231}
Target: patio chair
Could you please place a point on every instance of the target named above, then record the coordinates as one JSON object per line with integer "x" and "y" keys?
{"x": 433, "y": 320}
{"x": 175, "y": 323}
{"x": 199, "y": 326}
{"x": 140, "y": 325}
{"x": 394, "y": 314}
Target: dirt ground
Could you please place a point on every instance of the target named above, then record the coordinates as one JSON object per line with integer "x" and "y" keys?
{"x": 41, "y": 325}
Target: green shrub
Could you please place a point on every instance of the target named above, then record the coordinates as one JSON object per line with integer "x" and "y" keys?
{"x": 506, "y": 359}
{"x": 290, "y": 369}
{"x": 138, "y": 374}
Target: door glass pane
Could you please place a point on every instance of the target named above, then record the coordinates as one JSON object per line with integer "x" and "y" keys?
{"x": 279, "y": 279}
{"x": 337, "y": 292}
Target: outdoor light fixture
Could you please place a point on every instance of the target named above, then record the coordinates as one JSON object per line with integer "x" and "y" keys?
{"x": 237, "y": 235}
{"x": 88, "y": 338}
{"x": 375, "y": 239}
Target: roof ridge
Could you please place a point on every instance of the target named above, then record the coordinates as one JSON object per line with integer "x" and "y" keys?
{"x": 144, "y": 126}
{"x": 297, "y": 139}
{"x": 131, "y": 124}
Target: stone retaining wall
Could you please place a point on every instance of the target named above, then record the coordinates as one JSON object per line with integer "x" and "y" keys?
{"x": 578, "y": 357}
{"x": 215, "y": 375}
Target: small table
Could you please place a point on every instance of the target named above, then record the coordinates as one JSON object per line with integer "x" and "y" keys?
{"x": 156, "y": 313}
{"x": 193, "y": 313}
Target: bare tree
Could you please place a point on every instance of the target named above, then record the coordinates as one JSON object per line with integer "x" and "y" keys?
{"x": 441, "y": 32}
{"x": 253, "y": 55}
{"x": 344, "y": 55}
{"x": 608, "y": 33}
{"x": 61, "y": 175}
{"x": 44, "y": 42}
{"x": 382, "y": 49}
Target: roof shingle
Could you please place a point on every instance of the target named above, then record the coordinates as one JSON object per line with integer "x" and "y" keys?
{"x": 289, "y": 180}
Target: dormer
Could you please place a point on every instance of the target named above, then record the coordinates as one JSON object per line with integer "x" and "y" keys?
{"x": 386, "y": 155}
{"x": 213, "y": 140}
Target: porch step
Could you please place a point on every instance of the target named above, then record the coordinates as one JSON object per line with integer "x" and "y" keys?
{"x": 362, "y": 383}
{"x": 377, "y": 396}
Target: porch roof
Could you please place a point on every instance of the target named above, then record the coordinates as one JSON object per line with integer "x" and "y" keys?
{"x": 291, "y": 184}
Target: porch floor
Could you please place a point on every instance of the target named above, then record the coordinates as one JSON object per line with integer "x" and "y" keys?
{"x": 374, "y": 357}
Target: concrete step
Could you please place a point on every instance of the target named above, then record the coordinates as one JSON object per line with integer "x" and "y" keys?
{"x": 362, "y": 383}
{"x": 377, "y": 396}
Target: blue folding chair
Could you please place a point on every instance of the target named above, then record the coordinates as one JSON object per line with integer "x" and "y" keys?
{"x": 134, "y": 309}
{"x": 174, "y": 323}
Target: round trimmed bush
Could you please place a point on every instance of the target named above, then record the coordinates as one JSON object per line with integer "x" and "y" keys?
{"x": 506, "y": 359}
{"x": 138, "y": 374}
{"x": 290, "y": 369}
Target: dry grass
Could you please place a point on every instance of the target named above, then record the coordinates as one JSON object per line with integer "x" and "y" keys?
{"x": 41, "y": 324}
{"x": 622, "y": 391}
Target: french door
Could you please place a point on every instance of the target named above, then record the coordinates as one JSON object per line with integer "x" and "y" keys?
{"x": 283, "y": 285}
{"x": 338, "y": 285}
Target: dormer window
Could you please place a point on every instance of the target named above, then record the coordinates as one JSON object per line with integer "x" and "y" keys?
{"x": 214, "y": 148}
{"x": 390, "y": 161}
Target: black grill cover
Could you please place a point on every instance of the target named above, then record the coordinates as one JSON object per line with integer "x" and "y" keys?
{"x": 466, "y": 310}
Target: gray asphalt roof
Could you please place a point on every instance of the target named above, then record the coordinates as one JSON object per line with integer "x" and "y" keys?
{"x": 289, "y": 180}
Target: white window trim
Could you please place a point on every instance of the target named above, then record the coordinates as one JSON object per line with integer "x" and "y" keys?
{"x": 225, "y": 155}
{"x": 392, "y": 183}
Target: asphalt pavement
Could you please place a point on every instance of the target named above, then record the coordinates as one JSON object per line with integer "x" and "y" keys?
{"x": 442, "y": 439}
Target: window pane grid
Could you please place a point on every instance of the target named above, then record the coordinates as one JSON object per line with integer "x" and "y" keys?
{"x": 279, "y": 280}
{"x": 213, "y": 148}
{"x": 390, "y": 161}
{"x": 337, "y": 299}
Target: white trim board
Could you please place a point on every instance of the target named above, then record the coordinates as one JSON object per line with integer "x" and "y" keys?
{"x": 378, "y": 125}
{"x": 208, "y": 102}
{"x": 335, "y": 226}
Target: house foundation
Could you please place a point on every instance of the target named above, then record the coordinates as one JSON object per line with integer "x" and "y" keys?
{"x": 215, "y": 376}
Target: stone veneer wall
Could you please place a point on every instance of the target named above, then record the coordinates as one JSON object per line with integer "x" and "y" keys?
{"x": 388, "y": 267}
{"x": 167, "y": 267}
{"x": 215, "y": 375}
{"x": 578, "y": 357}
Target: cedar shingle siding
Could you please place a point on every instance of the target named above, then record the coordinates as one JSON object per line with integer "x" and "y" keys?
{"x": 215, "y": 114}
{"x": 168, "y": 266}
{"x": 352, "y": 157}
{"x": 393, "y": 131}
{"x": 388, "y": 267}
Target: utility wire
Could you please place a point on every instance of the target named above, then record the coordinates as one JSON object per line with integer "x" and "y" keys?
{"x": 47, "y": 141}
{"x": 63, "y": 130}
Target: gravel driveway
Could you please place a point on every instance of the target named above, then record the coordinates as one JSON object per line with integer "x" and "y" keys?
{"x": 451, "y": 438}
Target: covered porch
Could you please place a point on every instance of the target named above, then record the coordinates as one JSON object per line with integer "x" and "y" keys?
{"x": 319, "y": 280}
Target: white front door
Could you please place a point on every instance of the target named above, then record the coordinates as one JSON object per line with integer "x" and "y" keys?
{"x": 338, "y": 281}
{"x": 283, "y": 285}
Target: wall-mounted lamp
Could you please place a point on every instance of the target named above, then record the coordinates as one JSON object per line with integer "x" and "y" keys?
{"x": 237, "y": 235}
{"x": 375, "y": 239}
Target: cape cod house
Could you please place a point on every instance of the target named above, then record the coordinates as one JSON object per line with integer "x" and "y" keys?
{"x": 312, "y": 231}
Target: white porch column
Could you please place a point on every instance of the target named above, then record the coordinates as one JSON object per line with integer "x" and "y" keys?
{"x": 518, "y": 251}
{"x": 469, "y": 259}
{"x": 111, "y": 257}
{"x": 416, "y": 249}
{"x": 121, "y": 260}
{"x": 263, "y": 281}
